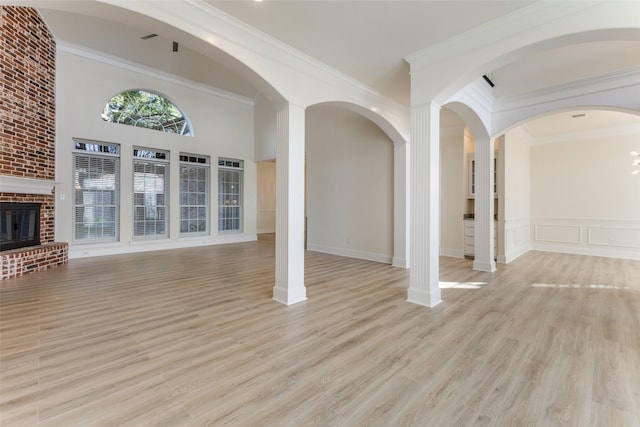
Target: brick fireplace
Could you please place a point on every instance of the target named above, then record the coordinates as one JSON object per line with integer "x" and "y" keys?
{"x": 27, "y": 134}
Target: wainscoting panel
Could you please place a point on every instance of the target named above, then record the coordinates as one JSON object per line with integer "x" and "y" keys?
{"x": 623, "y": 237}
{"x": 557, "y": 233}
{"x": 614, "y": 238}
{"x": 517, "y": 239}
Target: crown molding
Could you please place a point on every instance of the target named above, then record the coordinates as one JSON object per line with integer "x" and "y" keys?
{"x": 105, "y": 58}
{"x": 522, "y": 132}
{"x": 305, "y": 64}
{"x": 479, "y": 92}
{"x": 613, "y": 80}
{"x": 496, "y": 31}
{"x": 233, "y": 36}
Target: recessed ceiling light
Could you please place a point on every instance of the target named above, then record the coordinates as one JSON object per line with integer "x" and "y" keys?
{"x": 149, "y": 36}
{"x": 575, "y": 116}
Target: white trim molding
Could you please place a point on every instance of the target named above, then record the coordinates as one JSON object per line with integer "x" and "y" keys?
{"x": 613, "y": 238}
{"x": 94, "y": 55}
{"x": 351, "y": 253}
{"x": 85, "y": 250}
{"x": 22, "y": 185}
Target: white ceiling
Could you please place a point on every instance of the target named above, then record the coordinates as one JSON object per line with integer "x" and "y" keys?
{"x": 565, "y": 124}
{"x": 365, "y": 39}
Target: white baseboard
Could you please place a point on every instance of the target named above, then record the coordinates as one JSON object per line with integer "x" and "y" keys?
{"x": 86, "y": 250}
{"x": 400, "y": 262}
{"x": 453, "y": 253}
{"x": 507, "y": 258}
{"x": 350, "y": 253}
{"x": 601, "y": 252}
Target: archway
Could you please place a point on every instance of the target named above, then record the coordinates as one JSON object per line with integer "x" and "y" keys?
{"x": 568, "y": 184}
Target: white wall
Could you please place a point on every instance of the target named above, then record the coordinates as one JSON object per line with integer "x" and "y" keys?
{"x": 349, "y": 185}
{"x": 584, "y": 198}
{"x": 515, "y": 150}
{"x": 453, "y": 192}
{"x": 222, "y": 127}
{"x": 266, "y": 220}
{"x": 264, "y": 129}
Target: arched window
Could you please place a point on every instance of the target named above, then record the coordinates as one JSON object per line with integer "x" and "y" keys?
{"x": 146, "y": 109}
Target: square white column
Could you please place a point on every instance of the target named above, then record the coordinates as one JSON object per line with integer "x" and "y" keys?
{"x": 484, "y": 210}
{"x": 424, "y": 286}
{"x": 289, "y": 287}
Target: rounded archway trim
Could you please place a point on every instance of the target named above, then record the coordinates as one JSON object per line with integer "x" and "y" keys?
{"x": 382, "y": 122}
{"x": 296, "y": 77}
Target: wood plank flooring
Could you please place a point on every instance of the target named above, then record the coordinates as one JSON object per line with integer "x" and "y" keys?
{"x": 191, "y": 337}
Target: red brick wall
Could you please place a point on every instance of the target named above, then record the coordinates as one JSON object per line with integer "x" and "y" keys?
{"x": 27, "y": 108}
{"x": 27, "y": 127}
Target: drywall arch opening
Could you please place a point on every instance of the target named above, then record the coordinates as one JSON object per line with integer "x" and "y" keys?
{"x": 397, "y": 136}
{"x": 349, "y": 184}
{"x": 540, "y": 61}
{"x": 569, "y": 183}
{"x": 145, "y": 39}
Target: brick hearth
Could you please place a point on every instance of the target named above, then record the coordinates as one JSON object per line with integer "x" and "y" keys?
{"x": 17, "y": 262}
{"x": 27, "y": 133}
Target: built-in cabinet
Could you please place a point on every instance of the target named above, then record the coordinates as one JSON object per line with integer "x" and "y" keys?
{"x": 470, "y": 238}
{"x": 472, "y": 175}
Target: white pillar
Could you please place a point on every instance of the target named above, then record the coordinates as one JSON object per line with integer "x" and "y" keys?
{"x": 289, "y": 287}
{"x": 401, "y": 177}
{"x": 424, "y": 287}
{"x": 484, "y": 215}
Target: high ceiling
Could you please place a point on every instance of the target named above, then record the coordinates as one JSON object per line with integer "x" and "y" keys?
{"x": 365, "y": 39}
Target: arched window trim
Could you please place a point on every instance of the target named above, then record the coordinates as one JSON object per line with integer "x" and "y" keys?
{"x": 149, "y": 122}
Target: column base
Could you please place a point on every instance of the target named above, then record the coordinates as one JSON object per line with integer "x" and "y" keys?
{"x": 399, "y": 262}
{"x": 489, "y": 267}
{"x": 420, "y": 297}
{"x": 289, "y": 296}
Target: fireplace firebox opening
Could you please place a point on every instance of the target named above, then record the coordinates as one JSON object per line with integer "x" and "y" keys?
{"x": 19, "y": 225}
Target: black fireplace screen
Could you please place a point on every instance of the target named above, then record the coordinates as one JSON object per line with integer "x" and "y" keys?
{"x": 19, "y": 225}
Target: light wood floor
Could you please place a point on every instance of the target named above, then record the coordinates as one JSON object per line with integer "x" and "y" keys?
{"x": 191, "y": 337}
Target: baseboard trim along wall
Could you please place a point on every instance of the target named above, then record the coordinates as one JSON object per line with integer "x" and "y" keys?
{"x": 115, "y": 248}
{"x": 453, "y": 253}
{"x": 350, "y": 253}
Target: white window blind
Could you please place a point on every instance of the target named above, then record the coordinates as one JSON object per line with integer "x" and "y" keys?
{"x": 194, "y": 191}
{"x": 230, "y": 174}
{"x": 150, "y": 192}
{"x": 96, "y": 169}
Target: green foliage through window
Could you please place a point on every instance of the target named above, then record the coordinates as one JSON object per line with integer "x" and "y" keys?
{"x": 148, "y": 110}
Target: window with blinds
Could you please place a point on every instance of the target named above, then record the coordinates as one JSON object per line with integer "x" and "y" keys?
{"x": 194, "y": 191}
{"x": 230, "y": 195}
{"x": 96, "y": 169}
{"x": 150, "y": 192}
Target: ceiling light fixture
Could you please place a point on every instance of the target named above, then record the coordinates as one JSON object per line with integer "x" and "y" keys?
{"x": 575, "y": 116}
{"x": 149, "y": 36}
